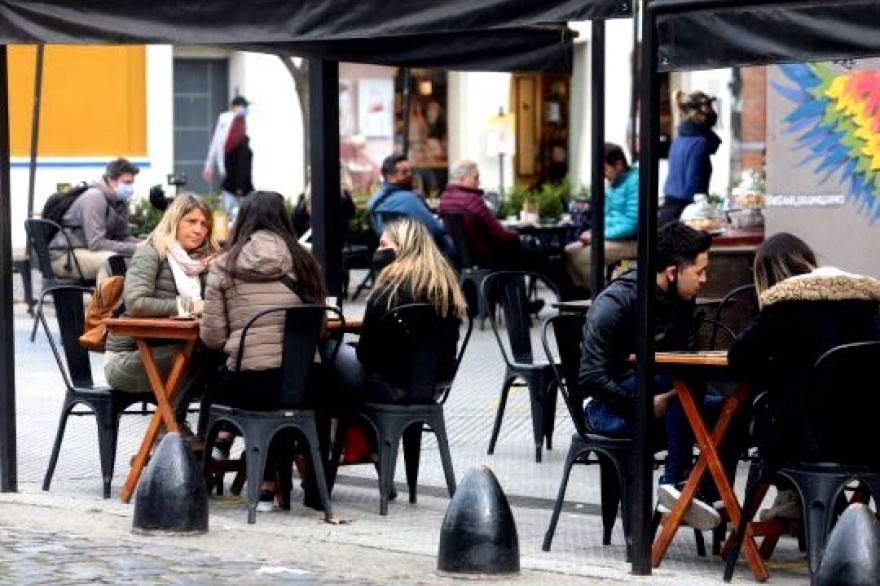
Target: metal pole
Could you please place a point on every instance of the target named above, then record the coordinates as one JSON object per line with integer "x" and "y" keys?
{"x": 327, "y": 235}
{"x": 634, "y": 92}
{"x": 501, "y": 163}
{"x": 407, "y": 99}
{"x": 647, "y": 282}
{"x": 35, "y": 129}
{"x": 8, "y": 454}
{"x": 597, "y": 141}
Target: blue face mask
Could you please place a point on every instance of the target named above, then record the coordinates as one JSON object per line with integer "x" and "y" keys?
{"x": 243, "y": 111}
{"x": 124, "y": 190}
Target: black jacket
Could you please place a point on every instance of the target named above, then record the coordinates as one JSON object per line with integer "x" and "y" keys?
{"x": 800, "y": 319}
{"x": 610, "y": 339}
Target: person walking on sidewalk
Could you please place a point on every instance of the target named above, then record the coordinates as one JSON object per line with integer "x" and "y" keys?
{"x": 230, "y": 154}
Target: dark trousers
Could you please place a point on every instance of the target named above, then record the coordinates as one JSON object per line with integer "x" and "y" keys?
{"x": 670, "y": 210}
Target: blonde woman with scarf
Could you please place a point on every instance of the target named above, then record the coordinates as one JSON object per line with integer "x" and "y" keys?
{"x": 172, "y": 262}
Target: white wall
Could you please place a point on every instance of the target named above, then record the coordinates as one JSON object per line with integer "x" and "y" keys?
{"x": 473, "y": 98}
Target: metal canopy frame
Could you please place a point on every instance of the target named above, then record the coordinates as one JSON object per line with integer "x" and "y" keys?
{"x": 706, "y": 34}
{"x": 276, "y": 22}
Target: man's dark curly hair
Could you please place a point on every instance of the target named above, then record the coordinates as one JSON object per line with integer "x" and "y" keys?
{"x": 679, "y": 245}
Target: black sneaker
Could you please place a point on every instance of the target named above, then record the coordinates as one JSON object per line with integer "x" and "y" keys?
{"x": 266, "y": 503}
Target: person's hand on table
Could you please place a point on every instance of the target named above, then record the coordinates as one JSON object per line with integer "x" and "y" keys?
{"x": 198, "y": 307}
{"x": 661, "y": 403}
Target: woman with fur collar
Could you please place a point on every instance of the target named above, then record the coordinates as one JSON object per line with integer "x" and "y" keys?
{"x": 805, "y": 311}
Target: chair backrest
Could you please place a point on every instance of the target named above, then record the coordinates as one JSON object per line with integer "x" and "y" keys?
{"x": 39, "y": 234}
{"x": 302, "y": 331}
{"x": 422, "y": 340}
{"x": 75, "y": 367}
{"x": 116, "y": 265}
{"x": 455, "y": 227}
{"x": 715, "y": 335}
{"x": 568, "y": 332}
{"x": 383, "y": 218}
{"x": 738, "y": 307}
{"x": 843, "y": 400}
{"x": 510, "y": 290}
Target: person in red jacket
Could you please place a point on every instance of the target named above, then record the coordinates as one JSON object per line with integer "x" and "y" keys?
{"x": 492, "y": 245}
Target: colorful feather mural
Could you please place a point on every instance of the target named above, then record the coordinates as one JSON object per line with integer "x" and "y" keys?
{"x": 836, "y": 120}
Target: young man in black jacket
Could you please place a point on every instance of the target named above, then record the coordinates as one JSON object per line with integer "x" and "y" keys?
{"x": 608, "y": 376}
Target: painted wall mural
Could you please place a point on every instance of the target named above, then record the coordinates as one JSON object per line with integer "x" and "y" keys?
{"x": 825, "y": 118}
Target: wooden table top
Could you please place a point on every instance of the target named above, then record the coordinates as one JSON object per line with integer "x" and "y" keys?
{"x": 178, "y": 328}
{"x": 698, "y": 358}
{"x": 582, "y": 305}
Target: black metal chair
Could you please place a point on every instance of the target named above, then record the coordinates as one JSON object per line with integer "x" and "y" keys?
{"x": 39, "y": 233}
{"x": 116, "y": 265}
{"x": 837, "y": 399}
{"x": 737, "y": 308}
{"x": 471, "y": 275}
{"x": 302, "y": 330}
{"x": 509, "y": 290}
{"x": 419, "y": 333}
{"x": 613, "y": 455}
{"x": 106, "y": 404}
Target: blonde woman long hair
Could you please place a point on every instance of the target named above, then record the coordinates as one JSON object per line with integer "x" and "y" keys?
{"x": 780, "y": 257}
{"x": 420, "y": 268}
{"x": 165, "y": 233}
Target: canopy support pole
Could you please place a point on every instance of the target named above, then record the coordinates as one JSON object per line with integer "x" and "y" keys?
{"x": 327, "y": 236}
{"x": 35, "y": 130}
{"x": 407, "y": 101}
{"x": 647, "y": 282}
{"x": 8, "y": 453}
{"x": 597, "y": 140}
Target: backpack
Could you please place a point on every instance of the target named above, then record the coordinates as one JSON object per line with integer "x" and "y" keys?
{"x": 58, "y": 204}
{"x": 106, "y": 302}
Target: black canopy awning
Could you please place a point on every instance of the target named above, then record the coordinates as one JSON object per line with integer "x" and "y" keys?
{"x": 536, "y": 48}
{"x": 710, "y": 34}
{"x": 500, "y": 35}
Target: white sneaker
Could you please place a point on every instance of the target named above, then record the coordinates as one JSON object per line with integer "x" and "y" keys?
{"x": 266, "y": 504}
{"x": 699, "y": 515}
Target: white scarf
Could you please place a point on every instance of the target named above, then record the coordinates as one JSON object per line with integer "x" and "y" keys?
{"x": 186, "y": 271}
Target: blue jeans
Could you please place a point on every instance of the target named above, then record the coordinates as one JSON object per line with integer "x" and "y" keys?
{"x": 675, "y": 432}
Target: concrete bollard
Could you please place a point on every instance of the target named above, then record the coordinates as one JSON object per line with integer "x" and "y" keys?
{"x": 171, "y": 497}
{"x": 852, "y": 554}
{"x": 479, "y": 535}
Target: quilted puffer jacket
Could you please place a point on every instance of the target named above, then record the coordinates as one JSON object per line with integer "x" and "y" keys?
{"x": 232, "y": 300}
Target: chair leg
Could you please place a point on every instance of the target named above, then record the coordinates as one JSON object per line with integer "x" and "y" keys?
{"x": 752, "y": 485}
{"x": 499, "y": 415}
{"x": 573, "y": 454}
{"x": 538, "y": 397}
{"x": 256, "y": 446}
{"x": 56, "y": 448}
{"x": 550, "y": 413}
{"x": 37, "y": 315}
{"x": 439, "y": 427}
{"x": 412, "y": 448}
{"x": 609, "y": 486}
{"x": 310, "y": 430}
{"x": 388, "y": 447}
{"x": 108, "y": 432}
{"x": 817, "y": 498}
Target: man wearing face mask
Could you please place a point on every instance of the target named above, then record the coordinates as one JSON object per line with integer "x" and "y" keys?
{"x": 608, "y": 376}
{"x": 690, "y": 164}
{"x": 96, "y": 225}
{"x": 396, "y": 196}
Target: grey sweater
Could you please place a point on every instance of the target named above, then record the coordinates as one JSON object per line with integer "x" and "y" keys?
{"x": 97, "y": 220}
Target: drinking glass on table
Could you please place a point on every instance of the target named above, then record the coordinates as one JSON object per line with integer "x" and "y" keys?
{"x": 184, "y": 306}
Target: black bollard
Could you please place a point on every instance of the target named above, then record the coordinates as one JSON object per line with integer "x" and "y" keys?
{"x": 478, "y": 535}
{"x": 852, "y": 555}
{"x": 171, "y": 497}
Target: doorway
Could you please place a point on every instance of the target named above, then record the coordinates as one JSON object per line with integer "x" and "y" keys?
{"x": 201, "y": 93}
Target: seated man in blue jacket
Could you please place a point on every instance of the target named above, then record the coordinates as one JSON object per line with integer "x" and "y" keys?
{"x": 396, "y": 196}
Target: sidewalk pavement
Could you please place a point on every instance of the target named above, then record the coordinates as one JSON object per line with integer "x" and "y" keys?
{"x": 77, "y": 536}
